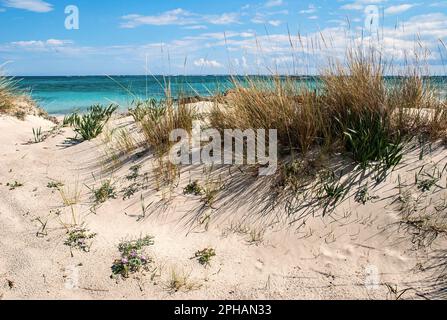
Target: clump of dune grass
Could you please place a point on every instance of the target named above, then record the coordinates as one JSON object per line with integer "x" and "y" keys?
{"x": 157, "y": 123}
{"x": 354, "y": 110}
{"x": 7, "y": 94}
{"x": 91, "y": 124}
{"x": 70, "y": 195}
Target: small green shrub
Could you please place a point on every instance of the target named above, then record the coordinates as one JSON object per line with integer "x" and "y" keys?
{"x": 91, "y": 124}
{"x": 105, "y": 192}
{"x": 204, "y": 256}
{"x": 193, "y": 188}
{"x": 133, "y": 259}
{"x": 363, "y": 196}
{"x": 151, "y": 108}
{"x": 54, "y": 185}
{"x": 78, "y": 239}
{"x": 14, "y": 185}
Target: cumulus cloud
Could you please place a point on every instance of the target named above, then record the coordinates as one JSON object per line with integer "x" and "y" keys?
{"x": 30, "y": 5}
{"x": 275, "y": 23}
{"x": 202, "y": 62}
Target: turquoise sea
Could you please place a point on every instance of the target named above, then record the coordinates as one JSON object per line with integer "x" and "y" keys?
{"x": 61, "y": 95}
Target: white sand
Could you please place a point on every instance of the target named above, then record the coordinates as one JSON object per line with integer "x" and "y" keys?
{"x": 326, "y": 258}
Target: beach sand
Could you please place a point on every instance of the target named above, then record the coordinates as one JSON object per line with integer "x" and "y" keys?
{"x": 355, "y": 252}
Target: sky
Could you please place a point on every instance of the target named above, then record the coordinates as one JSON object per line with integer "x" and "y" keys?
{"x": 115, "y": 37}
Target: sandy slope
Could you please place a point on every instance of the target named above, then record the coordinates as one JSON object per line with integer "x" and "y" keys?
{"x": 330, "y": 257}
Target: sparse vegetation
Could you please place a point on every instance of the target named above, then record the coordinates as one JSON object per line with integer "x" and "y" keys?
{"x": 193, "y": 188}
{"x": 133, "y": 257}
{"x": 14, "y": 185}
{"x": 54, "y": 185}
{"x": 37, "y": 134}
{"x": 204, "y": 256}
{"x": 70, "y": 195}
{"x": 105, "y": 192}
{"x": 179, "y": 280}
{"x": 91, "y": 124}
{"x": 7, "y": 93}
{"x": 78, "y": 238}
{"x": 363, "y": 196}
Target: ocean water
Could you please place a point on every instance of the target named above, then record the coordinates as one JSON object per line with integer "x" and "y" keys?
{"x": 62, "y": 95}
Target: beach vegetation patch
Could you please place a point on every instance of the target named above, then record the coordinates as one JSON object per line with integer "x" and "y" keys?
{"x": 133, "y": 257}
{"x": 204, "y": 256}
{"x": 14, "y": 185}
{"x": 90, "y": 124}
{"x": 79, "y": 238}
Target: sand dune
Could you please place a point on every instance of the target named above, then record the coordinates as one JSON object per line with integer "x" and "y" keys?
{"x": 263, "y": 251}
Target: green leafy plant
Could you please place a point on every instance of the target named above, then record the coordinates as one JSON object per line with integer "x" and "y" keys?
{"x": 204, "y": 256}
{"x": 133, "y": 258}
{"x": 151, "y": 108}
{"x": 332, "y": 192}
{"x": 105, "y": 192}
{"x": 14, "y": 185}
{"x": 363, "y": 196}
{"x": 79, "y": 239}
{"x": 54, "y": 185}
{"x": 91, "y": 124}
{"x": 134, "y": 172}
{"x": 193, "y": 188}
{"x": 37, "y": 134}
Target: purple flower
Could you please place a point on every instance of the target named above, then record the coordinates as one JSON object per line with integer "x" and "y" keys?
{"x": 124, "y": 261}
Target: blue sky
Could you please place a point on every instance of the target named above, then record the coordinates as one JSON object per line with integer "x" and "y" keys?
{"x": 210, "y": 37}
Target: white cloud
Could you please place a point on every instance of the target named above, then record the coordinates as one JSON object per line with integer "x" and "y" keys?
{"x": 30, "y": 5}
{"x": 361, "y": 4}
{"x": 40, "y": 44}
{"x": 179, "y": 17}
{"x": 275, "y": 23}
{"x": 207, "y": 63}
{"x": 274, "y": 3}
{"x": 196, "y": 27}
{"x": 313, "y": 17}
{"x": 311, "y": 9}
{"x": 399, "y": 8}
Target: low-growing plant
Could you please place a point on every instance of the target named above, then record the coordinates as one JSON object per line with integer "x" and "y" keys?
{"x": 54, "y": 185}
{"x": 147, "y": 108}
{"x": 193, "y": 188}
{"x": 255, "y": 237}
{"x": 332, "y": 191}
{"x": 14, "y": 185}
{"x": 134, "y": 172}
{"x": 37, "y": 134}
{"x": 91, "y": 124}
{"x": 129, "y": 191}
{"x": 204, "y": 256}
{"x": 180, "y": 280}
{"x": 105, "y": 192}
{"x": 133, "y": 258}
{"x": 78, "y": 238}
{"x": 427, "y": 184}
{"x": 363, "y": 196}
